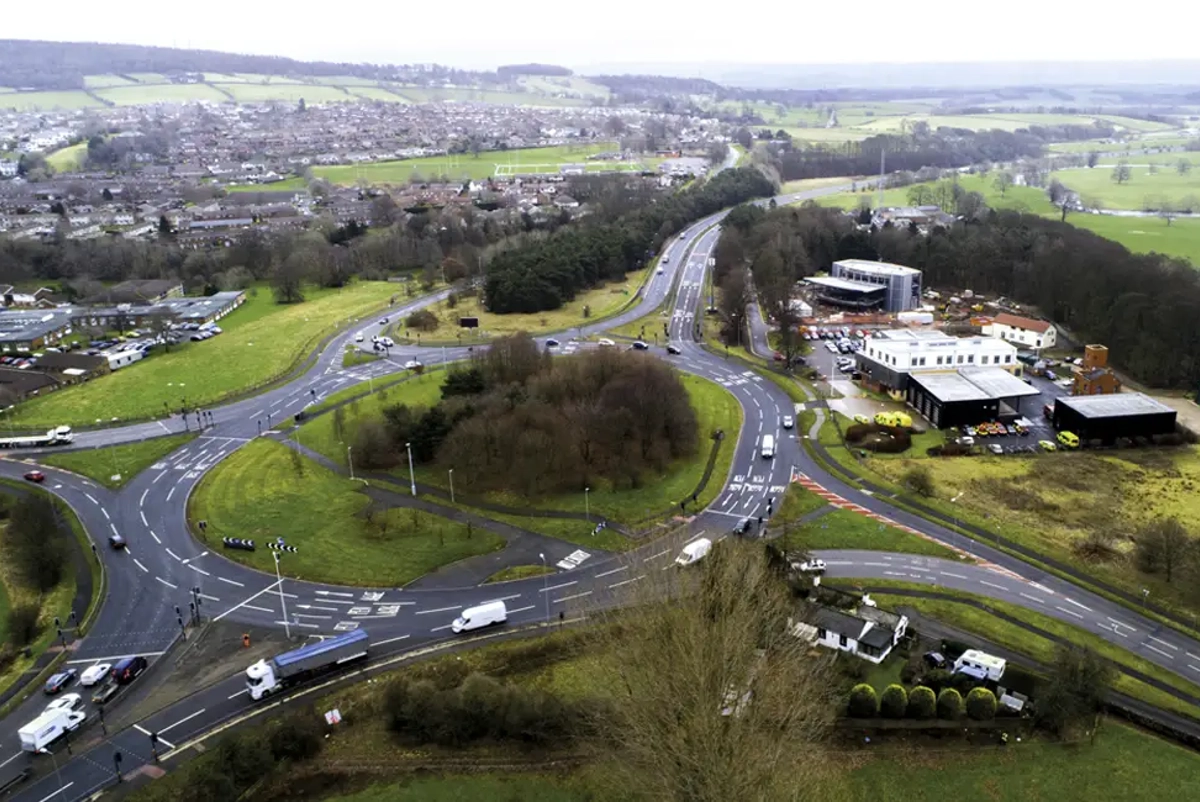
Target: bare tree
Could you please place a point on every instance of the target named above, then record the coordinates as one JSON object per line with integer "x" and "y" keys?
{"x": 1003, "y": 181}
{"x": 160, "y": 327}
{"x": 1183, "y": 166}
{"x": 1121, "y": 173}
{"x": 1162, "y": 545}
{"x": 1168, "y": 211}
{"x": 715, "y": 699}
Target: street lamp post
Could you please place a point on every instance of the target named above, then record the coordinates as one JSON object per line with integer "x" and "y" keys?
{"x": 350, "y": 460}
{"x": 451, "y": 485}
{"x": 412, "y": 477}
{"x": 287, "y": 630}
{"x": 545, "y": 585}
{"x": 587, "y": 510}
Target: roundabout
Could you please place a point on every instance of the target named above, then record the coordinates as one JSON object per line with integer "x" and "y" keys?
{"x": 165, "y": 569}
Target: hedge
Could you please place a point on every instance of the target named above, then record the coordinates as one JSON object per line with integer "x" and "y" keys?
{"x": 922, "y": 703}
{"x": 894, "y": 701}
{"x": 981, "y": 704}
{"x": 863, "y": 701}
{"x": 949, "y": 704}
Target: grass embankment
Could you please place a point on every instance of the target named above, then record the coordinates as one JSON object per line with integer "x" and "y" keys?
{"x": 261, "y": 492}
{"x": 262, "y": 341}
{"x": 599, "y": 302}
{"x": 715, "y": 407}
{"x": 1123, "y": 762}
{"x": 123, "y": 462}
{"x": 1036, "y": 647}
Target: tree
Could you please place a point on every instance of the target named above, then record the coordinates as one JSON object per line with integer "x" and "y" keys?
{"x": 1074, "y": 691}
{"x": 1162, "y": 545}
{"x": 39, "y": 553}
{"x": 949, "y": 704}
{"x": 1183, "y": 166}
{"x": 165, "y": 229}
{"x": 920, "y": 195}
{"x": 1121, "y": 173}
{"x": 1002, "y": 182}
{"x": 1093, "y": 158}
{"x": 894, "y": 701}
{"x": 919, "y": 479}
{"x": 160, "y": 326}
{"x": 981, "y": 704}
{"x": 287, "y": 279}
{"x": 713, "y": 698}
{"x": 863, "y": 702}
{"x": 922, "y": 703}
{"x": 1168, "y": 211}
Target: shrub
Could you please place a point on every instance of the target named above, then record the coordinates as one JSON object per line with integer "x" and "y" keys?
{"x": 981, "y": 704}
{"x": 894, "y": 701}
{"x": 949, "y": 704}
{"x": 919, "y": 479}
{"x": 952, "y": 649}
{"x": 937, "y": 679}
{"x": 864, "y": 703}
{"x": 962, "y": 682}
{"x": 922, "y": 703}
{"x": 243, "y": 759}
{"x": 299, "y": 736}
{"x": 23, "y": 624}
{"x": 912, "y": 669}
{"x": 422, "y": 320}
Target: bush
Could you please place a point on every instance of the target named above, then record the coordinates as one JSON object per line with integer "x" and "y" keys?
{"x": 937, "y": 679}
{"x": 422, "y": 320}
{"x": 953, "y": 649}
{"x": 299, "y": 736}
{"x": 949, "y": 704}
{"x": 981, "y": 704}
{"x": 243, "y": 759}
{"x": 919, "y": 479}
{"x": 864, "y": 703}
{"x": 922, "y": 703}
{"x": 894, "y": 701}
{"x": 23, "y": 624}
{"x": 962, "y": 682}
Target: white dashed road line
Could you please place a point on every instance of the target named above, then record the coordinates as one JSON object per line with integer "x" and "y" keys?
{"x": 139, "y": 565}
{"x": 438, "y": 610}
{"x": 165, "y": 582}
{"x": 1068, "y": 612}
{"x": 231, "y": 582}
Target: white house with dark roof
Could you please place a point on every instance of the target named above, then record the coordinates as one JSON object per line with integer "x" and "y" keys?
{"x": 866, "y": 631}
{"x": 1036, "y": 334}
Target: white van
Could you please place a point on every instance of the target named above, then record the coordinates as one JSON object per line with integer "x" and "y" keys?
{"x": 694, "y": 552}
{"x": 484, "y": 615}
{"x": 49, "y": 727}
{"x": 768, "y": 446}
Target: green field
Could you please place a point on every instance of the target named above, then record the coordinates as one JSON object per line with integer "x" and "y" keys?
{"x": 571, "y": 84}
{"x": 463, "y": 165}
{"x": 1169, "y": 159}
{"x": 47, "y": 101}
{"x": 65, "y": 160}
{"x": 258, "y": 493}
{"x": 1096, "y": 187}
{"x": 292, "y": 93}
{"x": 160, "y": 93}
{"x": 419, "y": 94}
{"x": 123, "y": 461}
{"x": 262, "y": 341}
{"x": 105, "y": 81}
{"x": 376, "y": 93}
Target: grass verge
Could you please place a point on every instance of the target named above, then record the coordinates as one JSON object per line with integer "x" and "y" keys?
{"x": 262, "y": 491}
{"x": 122, "y": 462}
{"x": 519, "y": 572}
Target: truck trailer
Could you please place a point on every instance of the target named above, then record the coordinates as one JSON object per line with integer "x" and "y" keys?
{"x": 59, "y": 436}
{"x": 291, "y": 668}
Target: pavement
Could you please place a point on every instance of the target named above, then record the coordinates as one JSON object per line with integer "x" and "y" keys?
{"x": 166, "y": 567}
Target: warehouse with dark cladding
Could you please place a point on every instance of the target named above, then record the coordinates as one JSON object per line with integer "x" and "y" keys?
{"x": 1111, "y": 417}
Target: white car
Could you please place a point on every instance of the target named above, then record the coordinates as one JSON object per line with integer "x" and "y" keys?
{"x": 94, "y": 674}
{"x": 412, "y": 364}
{"x": 788, "y": 421}
{"x": 810, "y": 566}
{"x": 604, "y": 342}
{"x": 358, "y": 337}
{"x": 996, "y": 448}
{"x": 68, "y": 701}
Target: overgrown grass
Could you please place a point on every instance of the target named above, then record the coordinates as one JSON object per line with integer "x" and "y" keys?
{"x": 261, "y": 492}
{"x": 123, "y": 462}
{"x": 262, "y": 341}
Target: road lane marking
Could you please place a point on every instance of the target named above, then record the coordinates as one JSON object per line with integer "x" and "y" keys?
{"x": 297, "y": 624}
{"x": 171, "y": 492}
{"x": 231, "y": 582}
{"x": 1121, "y": 623}
{"x": 559, "y": 587}
{"x": 206, "y": 596}
{"x": 334, "y": 593}
{"x": 60, "y": 790}
{"x": 656, "y": 556}
{"x": 156, "y": 540}
{"x": 256, "y": 607}
{"x": 11, "y": 759}
{"x": 509, "y": 598}
{"x": 198, "y": 569}
{"x": 1160, "y": 651}
{"x": 576, "y": 596}
{"x": 389, "y": 640}
{"x": 943, "y": 573}
{"x": 1068, "y": 612}
{"x": 92, "y": 499}
{"x": 185, "y": 719}
{"x": 992, "y": 585}
{"x": 521, "y": 609}
{"x": 1077, "y": 604}
{"x": 1163, "y": 642}
{"x": 105, "y": 513}
{"x": 310, "y": 615}
{"x": 1193, "y": 668}
{"x": 145, "y": 731}
{"x": 173, "y": 554}
{"x": 165, "y": 582}
{"x": 268, "y": 588}
{"x": 1034, "y": 599}
{"x": 627, "y": 581}
{"x": 139, "y": 565}
{"x": 142, "y": 500}
{"x": 112, "y": 659}
{"x": 610, "y": 573}
{"x": 439, "y": 629}
{"x": 438, "y": 610}
{"x": 239, "y": 693}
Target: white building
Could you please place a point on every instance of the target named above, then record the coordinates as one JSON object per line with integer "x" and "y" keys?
{"x": 8, "y": 168}
{"x": 1035, "y": 334}
{"x": 867, "y": 632}
{"x": 903, "y": 283}
{"x": 889, "y": 357}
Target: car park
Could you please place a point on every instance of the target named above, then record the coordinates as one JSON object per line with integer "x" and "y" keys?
{"x": 68, "y": 701}
{"x": 35, "y": 476}
{"x": 94, "y": 674}
{"x": 59, "y": 681}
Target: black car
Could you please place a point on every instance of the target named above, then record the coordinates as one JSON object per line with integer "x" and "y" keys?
{"x": 116, "y": 541}
{"x": 551, "y": 343}
{"x": 743, "y": 526}
{"x": 59, "y": 681}
{"x": 934, "y": 660}
{"x": 674, "y": 350}
{"x": 128, "y": 669}
{"x": 640, "y": 345}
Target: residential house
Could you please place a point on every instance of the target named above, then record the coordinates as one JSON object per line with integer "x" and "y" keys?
{"x": 1036, "y": 334}
{"x": 864, "y": 631}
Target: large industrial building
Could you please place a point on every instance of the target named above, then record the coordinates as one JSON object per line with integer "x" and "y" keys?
{"x": 1111, "y": 417}
{"x": 862, "y": 284}
{"x": 889, "y": 357}
{"x": 967, "y": 396}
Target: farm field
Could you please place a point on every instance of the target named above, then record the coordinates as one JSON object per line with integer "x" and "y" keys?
{"x": 259, "y": 93}
{"x": 461, "y": 166}
{"x": 149, "y": 77}
{"x": 551, "y": 85}
{"x": 1096, "y": 186}
{"x": 32, "y": 101}
{"x": 803, "y": 184}
{"x": 420, "y": 94}
{"x": 68, "y": 158}
{"x": 262, "y": 340}
{"x": 1166, "y": 160}
{"x": 102, "y": 81}
{"x": 376, "y": 93}
{"x": 262, "y": 491}
{"x": 160, "y": 93}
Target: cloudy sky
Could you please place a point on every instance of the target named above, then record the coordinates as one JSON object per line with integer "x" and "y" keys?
{"x": 485, "y": 33}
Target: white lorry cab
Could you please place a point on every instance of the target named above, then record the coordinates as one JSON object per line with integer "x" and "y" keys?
{"x": 768, "y": 446}
{"x": 694, "y": 552}
{"x": 485, "y": 615}
{"x": 49, "y": 727}
{"x": 312, "y": 660}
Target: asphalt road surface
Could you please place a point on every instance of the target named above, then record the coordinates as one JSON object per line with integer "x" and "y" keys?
{"x": 166, "y": 567}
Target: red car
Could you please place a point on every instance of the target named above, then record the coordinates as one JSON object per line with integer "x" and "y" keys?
{"x": 778, "y": 357}
{"x": 35, "y": 476}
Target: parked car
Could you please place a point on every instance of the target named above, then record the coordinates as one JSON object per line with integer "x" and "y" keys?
{"x": 59, "y": 681}
{"x": 94, "y": 673}
{"x": 934, "y": 659}
{"x": 811, "y": 567}
{"x": 35, "y": 476}
{"x": 996, "y": 448}
{"x": 1047, "y": 445}
{"x": 105, "y": 692}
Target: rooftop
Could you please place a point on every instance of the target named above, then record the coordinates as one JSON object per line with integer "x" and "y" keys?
{"x": 950, "y": 387}
{"x": 845, "y": 284}
{"x": 997, "y": 382}
{"x": 29, "y": 324}
{"x": 1026, "y": 323}
{"x": 879, "y": 268}
{"x": 189, "y": 308}
{"x": 1114, "y": 405}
